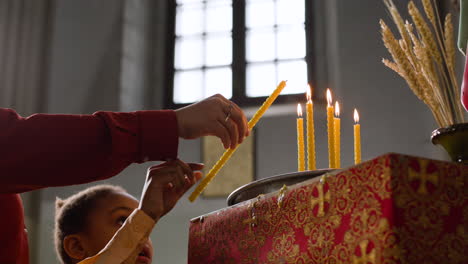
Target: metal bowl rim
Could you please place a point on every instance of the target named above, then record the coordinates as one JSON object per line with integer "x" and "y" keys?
{"x": 274, "y": 178}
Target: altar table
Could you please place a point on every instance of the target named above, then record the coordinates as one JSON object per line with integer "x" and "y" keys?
{"x": 392, "y": 209}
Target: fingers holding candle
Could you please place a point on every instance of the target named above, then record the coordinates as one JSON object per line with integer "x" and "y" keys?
{"x": 242, "y": 122}
{"x": 221, "y": 131}
{"x": 208, "y": 116}
{"x": 233, "y": 132}
{"x": 238, "y": 117}
{"x": 228, "y": 153}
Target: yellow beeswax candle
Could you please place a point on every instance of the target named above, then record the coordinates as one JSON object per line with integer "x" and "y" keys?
{"x": 337, "y": 127}
{"x": 357, "y": 138}
{"x": 228, "y": 153}
{"x": 300, "y": 140}
{"x": 331, "y": 131}
{"x": 311, "y": 160}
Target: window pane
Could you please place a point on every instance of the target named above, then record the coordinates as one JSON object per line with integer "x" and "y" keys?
{"x": 218, "y": 16}
{"x": 188, "y": 86}
{"x": 260, "y": 45}
{"x": 290, "y": 12}
{"x": 218, "y": 81}
{"x": 260, "y": 13}
{"x": 188, "y": 53}
{"x": 188, "y": 1}
{"x": 261, "y": 79}
{"x": 189, "y": 19}
{"x": 291, "y": 43}
{"x": 218, "y": 50}
{"x": 295, "y": 72}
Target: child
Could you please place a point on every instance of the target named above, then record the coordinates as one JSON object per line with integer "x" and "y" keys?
{"x": 105, "y": 224}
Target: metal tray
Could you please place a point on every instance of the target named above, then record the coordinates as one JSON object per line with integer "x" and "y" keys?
{"x": 271, "y": 184}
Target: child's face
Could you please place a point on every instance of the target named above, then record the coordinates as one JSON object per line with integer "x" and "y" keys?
{"x": 106, "y": 218}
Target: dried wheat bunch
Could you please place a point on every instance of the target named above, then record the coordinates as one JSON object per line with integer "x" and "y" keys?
{"x": 425, "y": 58}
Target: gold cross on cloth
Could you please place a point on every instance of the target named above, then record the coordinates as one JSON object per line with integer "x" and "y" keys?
{"x": 320, "y": 200}
{"x": 423, "y": 176}
{"x": 365, "y": 257}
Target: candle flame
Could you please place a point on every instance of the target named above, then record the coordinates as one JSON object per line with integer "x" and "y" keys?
{"x": 329, "y": 98}
{"x": 356, "y": 116}
{"x": 337, "y": 109}
{"x": 299, "y": 110}
{"x": 309, "y": 93}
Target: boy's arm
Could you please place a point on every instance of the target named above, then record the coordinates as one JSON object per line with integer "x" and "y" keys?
{"x": 127, "y": 242}
{"x": 157, "y": 199}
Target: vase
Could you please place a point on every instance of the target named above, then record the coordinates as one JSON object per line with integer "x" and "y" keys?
{"x": 454, "y": 139}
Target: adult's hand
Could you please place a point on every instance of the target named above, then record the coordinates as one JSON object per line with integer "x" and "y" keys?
{"x": 165, "y": 184}
{"x": 215, "y": 116}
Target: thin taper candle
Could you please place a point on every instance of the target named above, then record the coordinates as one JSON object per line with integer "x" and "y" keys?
{"x": 311, "y": 159}
{"x": 300, "y": 140}
{"x": 357, "y": 138}
{"x": 337, "y": 127}
{"x": 331, "y": 131}
{"x": 228, "y": 153}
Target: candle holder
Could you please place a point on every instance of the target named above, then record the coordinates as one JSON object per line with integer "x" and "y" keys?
{"x": 454, "y": 139}
{"x": 271, "y": 184}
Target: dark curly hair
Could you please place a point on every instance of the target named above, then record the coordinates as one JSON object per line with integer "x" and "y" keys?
{"x": 71, "y": 214}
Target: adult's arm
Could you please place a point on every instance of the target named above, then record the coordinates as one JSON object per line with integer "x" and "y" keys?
{"x": 45, "y": 150}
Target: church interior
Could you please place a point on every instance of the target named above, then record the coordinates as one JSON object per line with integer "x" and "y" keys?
{"x": 79, "y": 57}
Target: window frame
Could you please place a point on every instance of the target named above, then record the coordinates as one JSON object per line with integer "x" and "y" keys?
{"x": 239, "y": 62}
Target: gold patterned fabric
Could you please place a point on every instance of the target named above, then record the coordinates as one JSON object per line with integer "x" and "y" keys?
{"x": 393, "y": 209}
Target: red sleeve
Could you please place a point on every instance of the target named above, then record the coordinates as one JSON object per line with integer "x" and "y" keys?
{"x": 56, "y": 150}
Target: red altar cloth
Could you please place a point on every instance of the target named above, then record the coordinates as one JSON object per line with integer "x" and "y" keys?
{"x": 393, "y": 209}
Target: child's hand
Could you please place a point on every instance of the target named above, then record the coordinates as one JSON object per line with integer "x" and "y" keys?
{"x": 165, "y": 184}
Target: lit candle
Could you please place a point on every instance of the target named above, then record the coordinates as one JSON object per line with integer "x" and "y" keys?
{"x": 330, "y": 128}
{"x": 228, "y": 153}
{"x": 337, "y": 126}
{"x": 300, "y": 140}
{"x": 357, "y": 138}
{"x": 311, "y": 161}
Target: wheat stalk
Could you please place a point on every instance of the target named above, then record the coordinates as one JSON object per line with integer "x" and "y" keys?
{"x": 401, "y": 27}
{"x": 426, "y": 60}
{"x": 426, "y": 78}
{"x": 402, "y": 66}
{"x": 449, "y": 42}
{"x": 428, "y": 40}
{"x": 429, "y": 11}
{"x": 393, "y": 66}
{"x": 426, "y": 67}
{"x": 399, "y": 57}
{"x": 424, "y": 31}
{"x": 457, "y": 108}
